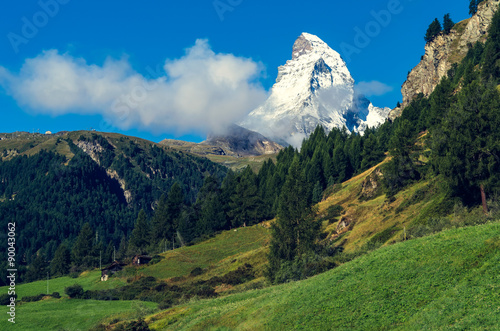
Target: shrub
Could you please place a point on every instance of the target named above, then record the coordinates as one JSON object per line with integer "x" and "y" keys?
{"x": 5, "y": 299}
{"x": 196, "y": 272}
{"x": 33, "y": 298}
{"x": 74, "y": 291}
{"x": 56, "y": 295}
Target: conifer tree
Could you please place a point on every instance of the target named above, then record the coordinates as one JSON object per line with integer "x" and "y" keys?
{"x": 161, "y": 223}
{"x": 37, "y": 269}
{"x": 60, "y": 264}
{"x": 175, "y": 202}
{"x": 473, "y": 7}
{"x": 82, "y": 249}
{"x": 140, "y": 237}
{"x": 122, "y": 248}
{"x": 295, "y": 232}
{"x": 212, "y": 217}
{"x": 465, "y": 147}
{"x": 245, "y": 203}
{"x": 448, "y": 24}
{"x": 433, "y": 31}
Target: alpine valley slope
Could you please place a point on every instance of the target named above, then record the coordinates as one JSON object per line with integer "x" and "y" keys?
{"x": 315, "y": 87}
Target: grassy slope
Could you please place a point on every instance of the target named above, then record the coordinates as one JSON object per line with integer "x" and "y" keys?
{"x": 446, "y": 281}
{"x": 225, "y": 252}
{"x": 377, "y": 215}
{"x": 219, "y": 255}
{"x": 89, "y": 280}
{"x": 72, "y": 314}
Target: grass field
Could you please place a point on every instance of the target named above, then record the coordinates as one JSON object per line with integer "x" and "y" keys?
{"x": 227, "y": 246}
{"x": 450, "y": 280}
{"x": 89, "y": 280}
{"x": 72, "y": 314}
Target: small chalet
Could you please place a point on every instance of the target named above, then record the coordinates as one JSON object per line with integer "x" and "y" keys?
{"x": 141, "y": 259}
{"x": 111, "y": 269}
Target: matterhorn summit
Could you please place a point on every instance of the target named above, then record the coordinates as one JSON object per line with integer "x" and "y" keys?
{"x": 314, "y": 87}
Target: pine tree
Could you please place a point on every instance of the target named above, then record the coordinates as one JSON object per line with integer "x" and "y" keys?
{"x": 401, "y": 170}
{"x": 162, "y": 222}
{"x": 317, "y": 193}
{"x": 108, "y": 254}
{"x": 60, "y": 264}
{"x": 175, "y": 202}
{"x": 433, "y": 31}
{"x": 140, "y": 237}
{"x": 122, "y": 248}
{"x": 246, "y": 205}
{"x": 448, "y": 24}
{"x": 212, "y": 217}
{"x": 465, "y": 148}
{"x": 82, "y": 249}
{"x": 492, "y": 50}
{"x": 473, "y": 7}
{"x": 37, "y": 269}
{"x": 295, "y": 232}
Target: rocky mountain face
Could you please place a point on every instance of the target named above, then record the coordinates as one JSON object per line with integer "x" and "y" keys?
{"x": 243, "y": 142}
{"x": 314, "y": 87}
{"x": 445, "y": 50}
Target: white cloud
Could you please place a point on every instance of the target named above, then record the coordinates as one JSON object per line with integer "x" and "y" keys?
{"x": 202, "y": 91}
{"x": 369, "y": 89}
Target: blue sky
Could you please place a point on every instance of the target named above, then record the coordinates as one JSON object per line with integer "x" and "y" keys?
{"x": 123, "y": 43}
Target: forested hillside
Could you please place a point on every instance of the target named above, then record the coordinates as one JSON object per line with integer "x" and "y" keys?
{"x": 53, "y": 188}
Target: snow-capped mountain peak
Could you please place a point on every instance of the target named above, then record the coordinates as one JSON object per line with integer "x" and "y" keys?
{"x": 314, "y": 87}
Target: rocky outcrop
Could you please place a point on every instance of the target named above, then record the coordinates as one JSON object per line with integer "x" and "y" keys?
{"x": 94, "y": 149}
{"x": 242, "y": 142}
{"x": 91, "y": 149}
{"x": 444, "y": 51}
{"x": 126, "y": 193}
{"x": 372, "y": 185}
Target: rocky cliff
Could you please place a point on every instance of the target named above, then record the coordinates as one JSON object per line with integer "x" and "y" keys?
{"x": 444, "y": 51}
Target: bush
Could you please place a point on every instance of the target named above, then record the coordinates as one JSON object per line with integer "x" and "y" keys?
{"x": 139, "y": 325}
{"x": 196, "y": 272}
{"x": 56, "y": 295}
{"x": 33, "y": 298}
{"x": 74, "y": 291}
{"x": 5, "y": 299}
{"x": 303, "y": 267}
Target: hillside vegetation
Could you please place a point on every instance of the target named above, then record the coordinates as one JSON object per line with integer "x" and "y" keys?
{"x": 448, "y": 280}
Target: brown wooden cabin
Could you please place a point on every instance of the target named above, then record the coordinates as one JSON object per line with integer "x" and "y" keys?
{"x": 111, "y": 269}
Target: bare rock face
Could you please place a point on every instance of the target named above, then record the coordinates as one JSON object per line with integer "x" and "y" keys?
{"x": 91, "y": 149}
{"x": 301, "y": 46}
{"x": 372, "y": 185}
{"x": 242, "y": 142}
{"x": 444, "y": 51}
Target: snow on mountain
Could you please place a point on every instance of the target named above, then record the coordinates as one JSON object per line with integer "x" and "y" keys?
{"x": 314, "y": 87}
